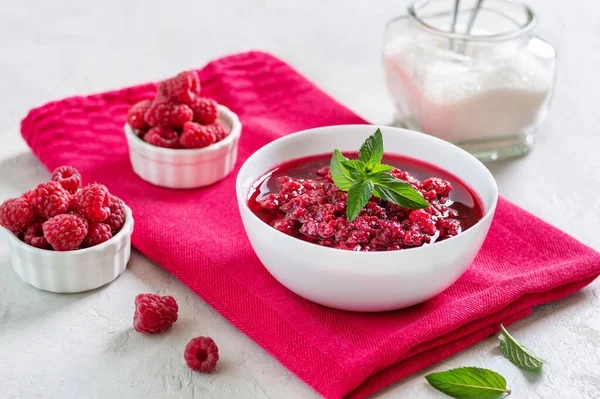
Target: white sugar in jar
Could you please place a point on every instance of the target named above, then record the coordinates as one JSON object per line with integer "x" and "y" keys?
{"x": 486, "y": 91}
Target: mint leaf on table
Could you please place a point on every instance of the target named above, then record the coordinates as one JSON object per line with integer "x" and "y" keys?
{"x": 339, "y": 174}
{"x": 358, "y": 196}
{"x": 367, "y": 176}
{"x": 469, "y": 383}
{"x": 517, "y": 353}
{"x": 371, "y": 152}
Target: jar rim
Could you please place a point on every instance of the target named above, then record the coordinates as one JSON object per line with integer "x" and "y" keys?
{"x": 520, "y": 30}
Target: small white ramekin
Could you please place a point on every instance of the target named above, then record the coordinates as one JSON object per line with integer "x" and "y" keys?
{"x": 73, "y": 271}
{"x": 183, "y": 168}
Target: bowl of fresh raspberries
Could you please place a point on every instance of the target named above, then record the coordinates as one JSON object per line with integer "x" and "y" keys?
{"x": 67, "y": 238}
{"x": 180, "y": 139}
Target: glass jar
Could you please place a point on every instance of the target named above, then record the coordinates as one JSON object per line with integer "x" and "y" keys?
{"x": 485, "y": 86}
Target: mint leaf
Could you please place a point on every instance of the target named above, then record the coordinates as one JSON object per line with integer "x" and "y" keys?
{"x": 397, "y": 191}
{"x": 358, "y": 196}
{"x": 469, "y": 383}
{"x": 371, "y": 152}
{"x": 354, "y": 164}
{"x": 381, "y": 168}
{"x": 355, "y": 169}
{"x": 339, "y": 174}
{"x": 517, "y": 353}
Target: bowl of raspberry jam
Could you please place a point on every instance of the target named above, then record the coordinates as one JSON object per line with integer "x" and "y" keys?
{"x": 386, "y": 256}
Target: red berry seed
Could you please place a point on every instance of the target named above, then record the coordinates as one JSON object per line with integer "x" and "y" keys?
{"x": 205, "y": 110}
{"x": 162, "y": 137}
{"x": 135, "y": 115}
{"x": 65, "y": 232}
{"x": 154, "y": 313}
{"x": 201, "y": 354}
{"x": 93, "y": 202}
{"x": 196, "y": 136}
{"x": 68, "y": 177}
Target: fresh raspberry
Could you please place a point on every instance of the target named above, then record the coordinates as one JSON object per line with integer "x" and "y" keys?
{"x": 68, "y": 177}
{"x": 117, "y": 214}
{"x": 34, "y": 236}
{"x": 196, "y": 136}
{"x": 135, "y": 115}
{"x": 16, "y": 214}
{"x": 49, "y": 199}
{"x": 183, "y": 88}
{"x": 167, "y": 114}
{"x": 93, "y": 202}
{"x": 205, "y": 110}
{"x": 154, "y": 313}
{"x": 97, "y": 234}
{"x": 65, "y": 232}
{"x": 201, "y": 354}
{"x": 219, "y": 130}
{"x": 162, "y": 137}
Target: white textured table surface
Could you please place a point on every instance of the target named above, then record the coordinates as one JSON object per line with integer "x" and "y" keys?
{"x": 82, "y": 346}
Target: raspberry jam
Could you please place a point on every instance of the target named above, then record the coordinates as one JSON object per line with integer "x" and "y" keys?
{"x": 299, "y": 198}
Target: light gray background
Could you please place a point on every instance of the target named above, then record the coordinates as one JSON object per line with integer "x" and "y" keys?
{"x": 81, "y": 346}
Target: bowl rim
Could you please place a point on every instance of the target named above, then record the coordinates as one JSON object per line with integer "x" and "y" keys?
{"x": 223, "y": 113}
{"x": 125, "y": 232}
{"x": 488, "y": 212}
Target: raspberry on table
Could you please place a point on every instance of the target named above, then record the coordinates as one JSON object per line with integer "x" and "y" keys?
{"x": 162, "y": 137}
{"x": 154, "y": 313}
{"x": 201, "y": 354}
{"x": 135, "y": 115}
{"x": 196, "y": 136}
{"x": 93, "y": 202}
{"x": 167, "y": 114}
{"x": 68, "y": 177}
{"x": 65, "y": 232}
{"x": 16, "y": 214}
{"x": 117, "y": 214}
{"x": 97, "y": 234}
{"x": 34, "y": 236}
{"x": 205, "y": 110}
{"x": 183, "y": 88}
{"x": 49, "y": 199}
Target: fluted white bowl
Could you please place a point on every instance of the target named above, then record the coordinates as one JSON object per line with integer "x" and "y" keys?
{"x": 73, "y": 271}
{"x": 186, "y": 168}
{"x": 366, "y": 281}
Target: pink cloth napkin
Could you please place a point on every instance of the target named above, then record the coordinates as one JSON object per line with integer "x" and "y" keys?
{"x": 198, "y": 236}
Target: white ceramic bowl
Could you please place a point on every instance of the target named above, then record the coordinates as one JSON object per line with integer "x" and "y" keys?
{"x": 73, "y": 271}
{"x": 366, "y": 281}
{"x": 182, "y": 168}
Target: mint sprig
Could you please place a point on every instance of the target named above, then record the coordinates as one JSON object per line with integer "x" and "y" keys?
{"x": 517, "y": 353}
{"x": 367, "y": 176}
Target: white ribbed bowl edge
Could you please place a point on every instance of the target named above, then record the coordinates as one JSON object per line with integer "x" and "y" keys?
{"x": 186, "y": 168}
{"x": 73, "y": 271}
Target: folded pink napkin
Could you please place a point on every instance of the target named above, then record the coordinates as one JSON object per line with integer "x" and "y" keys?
{"x": 198, "y": 236}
